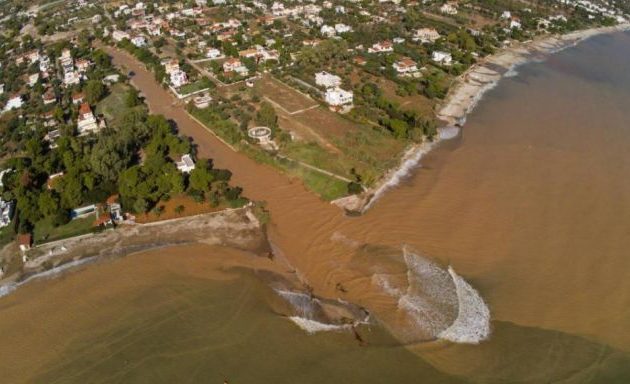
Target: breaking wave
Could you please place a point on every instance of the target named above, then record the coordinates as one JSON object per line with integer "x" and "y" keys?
{"x": 447, "y": 133}
{"x": 310, "y": 313}
{"x": 434, "y": 302}
{"x": 313, "y": 326}
{"x": 473, "y": 319}
{"x": 8, "y": 288}
{"x": 412, "y": 160}
{"x": 512, "y": 72}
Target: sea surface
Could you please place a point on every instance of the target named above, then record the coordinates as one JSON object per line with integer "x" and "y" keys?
{"x": 529, "y": 207}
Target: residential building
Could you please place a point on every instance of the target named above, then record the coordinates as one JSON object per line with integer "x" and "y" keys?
{"x": 213, "y": 53}
{"x": 405, "y": 66}
{"x": 327, "y": 80}
{"x": 426, "y": 35}
{"x": 338, "y": 97}
{"x": 235, "y": 65}
{"x": 442, "y": 57}
{"x": 448, "y": 9}
{"x": 382, "y": 47}
{"x": 86, "y": 122}
{"x": 179, "y": 78}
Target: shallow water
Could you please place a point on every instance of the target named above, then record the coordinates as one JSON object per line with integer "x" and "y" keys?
{"x": 530, "y": 205}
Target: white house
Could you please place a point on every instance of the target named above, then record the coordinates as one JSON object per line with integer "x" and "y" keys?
{"x": 337, "y": 97}
{"x": 327, "y": 80}
{"x": 186, "y": 164}
{"x": 382, "y": 47}
{"x": 442, "y": 57}
{"x": 86, "y": 122}
{"x": 448, "y": 9}
{"x": 179, "y": 78}
{"x": 139, "y": 41}
{"x": 213, "y": 53}
{"x": 328, "y": 31}
{"x": 14, "y": 102}
{"x": 71, "y": 78}
{"x": 202, "y": 102}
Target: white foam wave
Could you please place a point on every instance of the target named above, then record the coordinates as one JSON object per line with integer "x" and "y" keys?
{"x": 437, "y": 302}
{"x": 313, "y": 326}
{"x": 472, "y": 324}
{"x": 412, "y": 160}
{"x": 303, "y": 303}
{"x": 8, "y": 288}
{"x": 384, "y": 282}
{"x": 447, "y": 133}
{"x": 512, "y": 72}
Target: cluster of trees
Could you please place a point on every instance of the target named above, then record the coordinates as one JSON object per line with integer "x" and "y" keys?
{"x": 402, "y": 124}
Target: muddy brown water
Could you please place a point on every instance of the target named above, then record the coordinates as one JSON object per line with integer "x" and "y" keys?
{"x": 531, "y": 204}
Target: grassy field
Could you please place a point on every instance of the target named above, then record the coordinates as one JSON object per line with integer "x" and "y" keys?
{"x": 329, "y": 141}
{"x": 45, "y": 231}
{"x": 7, "y": 234}
{"x": 114, "y": 106}
{"x": 193, "y": 87}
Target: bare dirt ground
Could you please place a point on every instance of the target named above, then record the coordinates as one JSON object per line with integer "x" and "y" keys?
{"x": 288, "y": 99}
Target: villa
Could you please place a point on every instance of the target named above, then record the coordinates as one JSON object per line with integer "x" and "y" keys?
{"x": 442, "y": 57}
{"x": 405, "y": 66}
{"x": 337, "y": 97}
{"x": 86, "y": 122}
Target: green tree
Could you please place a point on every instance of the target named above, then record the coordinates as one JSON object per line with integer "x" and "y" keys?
{"x": 94, "y": 91}
{"x": 266, "y": 115}
{"x": 48, "y": 203}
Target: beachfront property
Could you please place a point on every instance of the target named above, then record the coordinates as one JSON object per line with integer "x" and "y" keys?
{"x": 185, "y": 164}
{"x": 327, "y": 80}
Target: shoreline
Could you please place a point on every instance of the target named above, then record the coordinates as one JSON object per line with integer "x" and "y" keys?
{"x": 465, "y": 93}
{"x": 233, "y": 228}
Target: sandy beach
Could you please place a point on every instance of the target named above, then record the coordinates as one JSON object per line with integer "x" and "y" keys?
{"x": 467, "y": 90}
